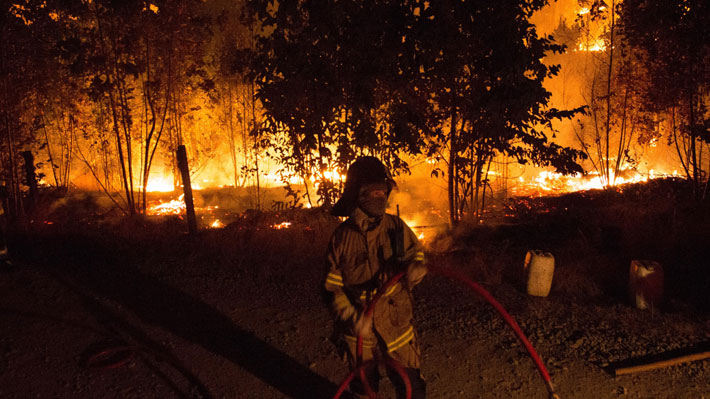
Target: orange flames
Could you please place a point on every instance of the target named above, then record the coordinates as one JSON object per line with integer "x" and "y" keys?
{"x": 425, "y": 222}
{"x": 282, "y": 225}
{"x": 595, "y": 45}
{"x": 593, "y": 41}
{"x": 332, "y": 174}
{"x": 550, "y": 183}
{"x": 416, "y": 228}
{"x": 177, "y": 207}
{"x": 172, "y": 207}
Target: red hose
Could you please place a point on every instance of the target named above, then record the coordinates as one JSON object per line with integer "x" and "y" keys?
{"x": 368, "y": 313}
{"x": 371, "y": 307}
{"x": 507, "y": 317}
{"x": 480, "y": 291}
{"x": 111, "y": 357}
{"x": 402, "y": 374}
{"x": 350, "y": 377}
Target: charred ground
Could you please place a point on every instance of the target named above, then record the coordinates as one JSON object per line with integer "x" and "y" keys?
{"x": 237, "y": 312}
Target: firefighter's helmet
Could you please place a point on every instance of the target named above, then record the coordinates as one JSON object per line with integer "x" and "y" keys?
{"x": 364, "y": 170}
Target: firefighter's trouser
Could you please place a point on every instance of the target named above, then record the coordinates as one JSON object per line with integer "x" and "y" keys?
{"x": 408, "y": 355}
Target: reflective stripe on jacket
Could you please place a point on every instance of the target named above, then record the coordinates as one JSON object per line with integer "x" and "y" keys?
{"x": 361, "y": 260}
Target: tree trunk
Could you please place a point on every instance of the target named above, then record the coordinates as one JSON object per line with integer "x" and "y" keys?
{"x": 693, "y": 150}
{"x": 256, "y": 145}
{"x": 30, "y": 179}
{"x": 453, "y": 150}
{"x": 607, "y": 128}
{"x": 187, "y": 189}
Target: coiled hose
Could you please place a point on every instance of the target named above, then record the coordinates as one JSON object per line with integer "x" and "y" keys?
{"x": 389, "y": 362}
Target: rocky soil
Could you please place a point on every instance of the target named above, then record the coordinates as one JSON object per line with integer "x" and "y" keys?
{"x": 143, "y": 311}
{"x": 135, "y": 308}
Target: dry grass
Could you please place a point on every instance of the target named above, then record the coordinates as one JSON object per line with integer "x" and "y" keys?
{"x": 593, "y": 235}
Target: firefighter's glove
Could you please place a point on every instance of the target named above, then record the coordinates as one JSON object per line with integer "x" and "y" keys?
{"x": 415, "y": 274}
{"x": 362, "y": 325}
{"x": 346, "y": 312}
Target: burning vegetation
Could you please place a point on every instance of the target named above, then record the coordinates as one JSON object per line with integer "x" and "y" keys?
{"x": 579, "y": 128}
{"x": 582, "y": 108}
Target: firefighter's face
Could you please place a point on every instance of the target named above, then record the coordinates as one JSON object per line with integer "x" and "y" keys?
{"x": 373, "y": 198}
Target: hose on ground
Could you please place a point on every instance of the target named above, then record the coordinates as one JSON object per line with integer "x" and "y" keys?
{"x": 454, "y": 275}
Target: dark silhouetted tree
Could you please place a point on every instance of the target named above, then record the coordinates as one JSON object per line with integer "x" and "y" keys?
{"x": 138, "y": 59}
{"x": 390, "y": 78}
{"x": 671, "y": 39}
{"x": 482, "y": 66}
{"x": 335, "y": 82}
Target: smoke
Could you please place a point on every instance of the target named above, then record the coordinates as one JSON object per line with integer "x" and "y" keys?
{"x": 571, "y": 88}
{"x": 552, "y": 15}
{"x": 422, "y": 199}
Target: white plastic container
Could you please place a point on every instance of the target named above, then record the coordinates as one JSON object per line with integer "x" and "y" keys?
{"x": 645, "y": 283}
{"x": 539, "y": 269}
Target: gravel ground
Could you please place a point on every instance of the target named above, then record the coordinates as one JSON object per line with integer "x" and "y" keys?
{"x": 208, "y": 318}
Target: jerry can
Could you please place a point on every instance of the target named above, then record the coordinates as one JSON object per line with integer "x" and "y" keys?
{"x": 539, "y": 268}
{"x": 645, "y": 283}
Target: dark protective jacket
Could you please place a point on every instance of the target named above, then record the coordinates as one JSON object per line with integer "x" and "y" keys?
{"x": 361, "y": 259}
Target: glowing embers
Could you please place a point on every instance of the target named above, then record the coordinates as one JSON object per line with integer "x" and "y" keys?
{"x": 426, "y": 223}
{"x": 281, "y": 226}
{"x": 209, "y": 217}
{"x": 415, "y": 226}
{"x": 217, "y": 224}
{"x": 172, "y": 207}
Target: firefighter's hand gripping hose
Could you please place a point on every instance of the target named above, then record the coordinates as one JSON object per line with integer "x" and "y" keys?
{"x": 452, "y": 274}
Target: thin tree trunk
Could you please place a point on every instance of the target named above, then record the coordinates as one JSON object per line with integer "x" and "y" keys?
{"x": 11, "y": 167}
{"x": 31, "y": 180}
{"x": 229, "y": 109}
{"x": 453, "y": 214}
{"x": 682, "y": 155}
{"x": 67, "y": 153}
{"x": 485, "y": 185}
{"x": 147, "y": 105}
{"x": 693, "y": 151}
{"x": 187, "y": 189}
{"x": 472, "y": 164}
{"x": 102, "y": 184}
{"x": 49, "y": 149}
{"x": 256, "y": 144}
{"x": 150, "y": 146}
{"x": 476, "y": 183}
{"x": 114, "y": 113}
{"x": 610, "y": 72}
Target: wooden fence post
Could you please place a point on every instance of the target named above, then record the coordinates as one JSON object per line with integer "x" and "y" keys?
{"x": 31, "y": 179}
{"x": 187, "y": 189}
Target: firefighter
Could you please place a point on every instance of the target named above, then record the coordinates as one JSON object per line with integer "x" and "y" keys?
{"x": 364, "y": 252}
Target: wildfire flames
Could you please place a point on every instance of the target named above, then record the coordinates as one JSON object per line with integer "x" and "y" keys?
{"x": 425, "y": 224}
{"x": 161, "y": 183}
{"x": 177, "y": 207}
{"x": 173, "y": 207}
{"x": 550, "y": 183}
{"x": 282, "y": 225}
{"x": 595, "y": 45}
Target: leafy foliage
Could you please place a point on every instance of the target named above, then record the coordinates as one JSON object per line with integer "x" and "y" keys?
{"x": 384, "y": 78}
{"x": 672, "y": 40}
